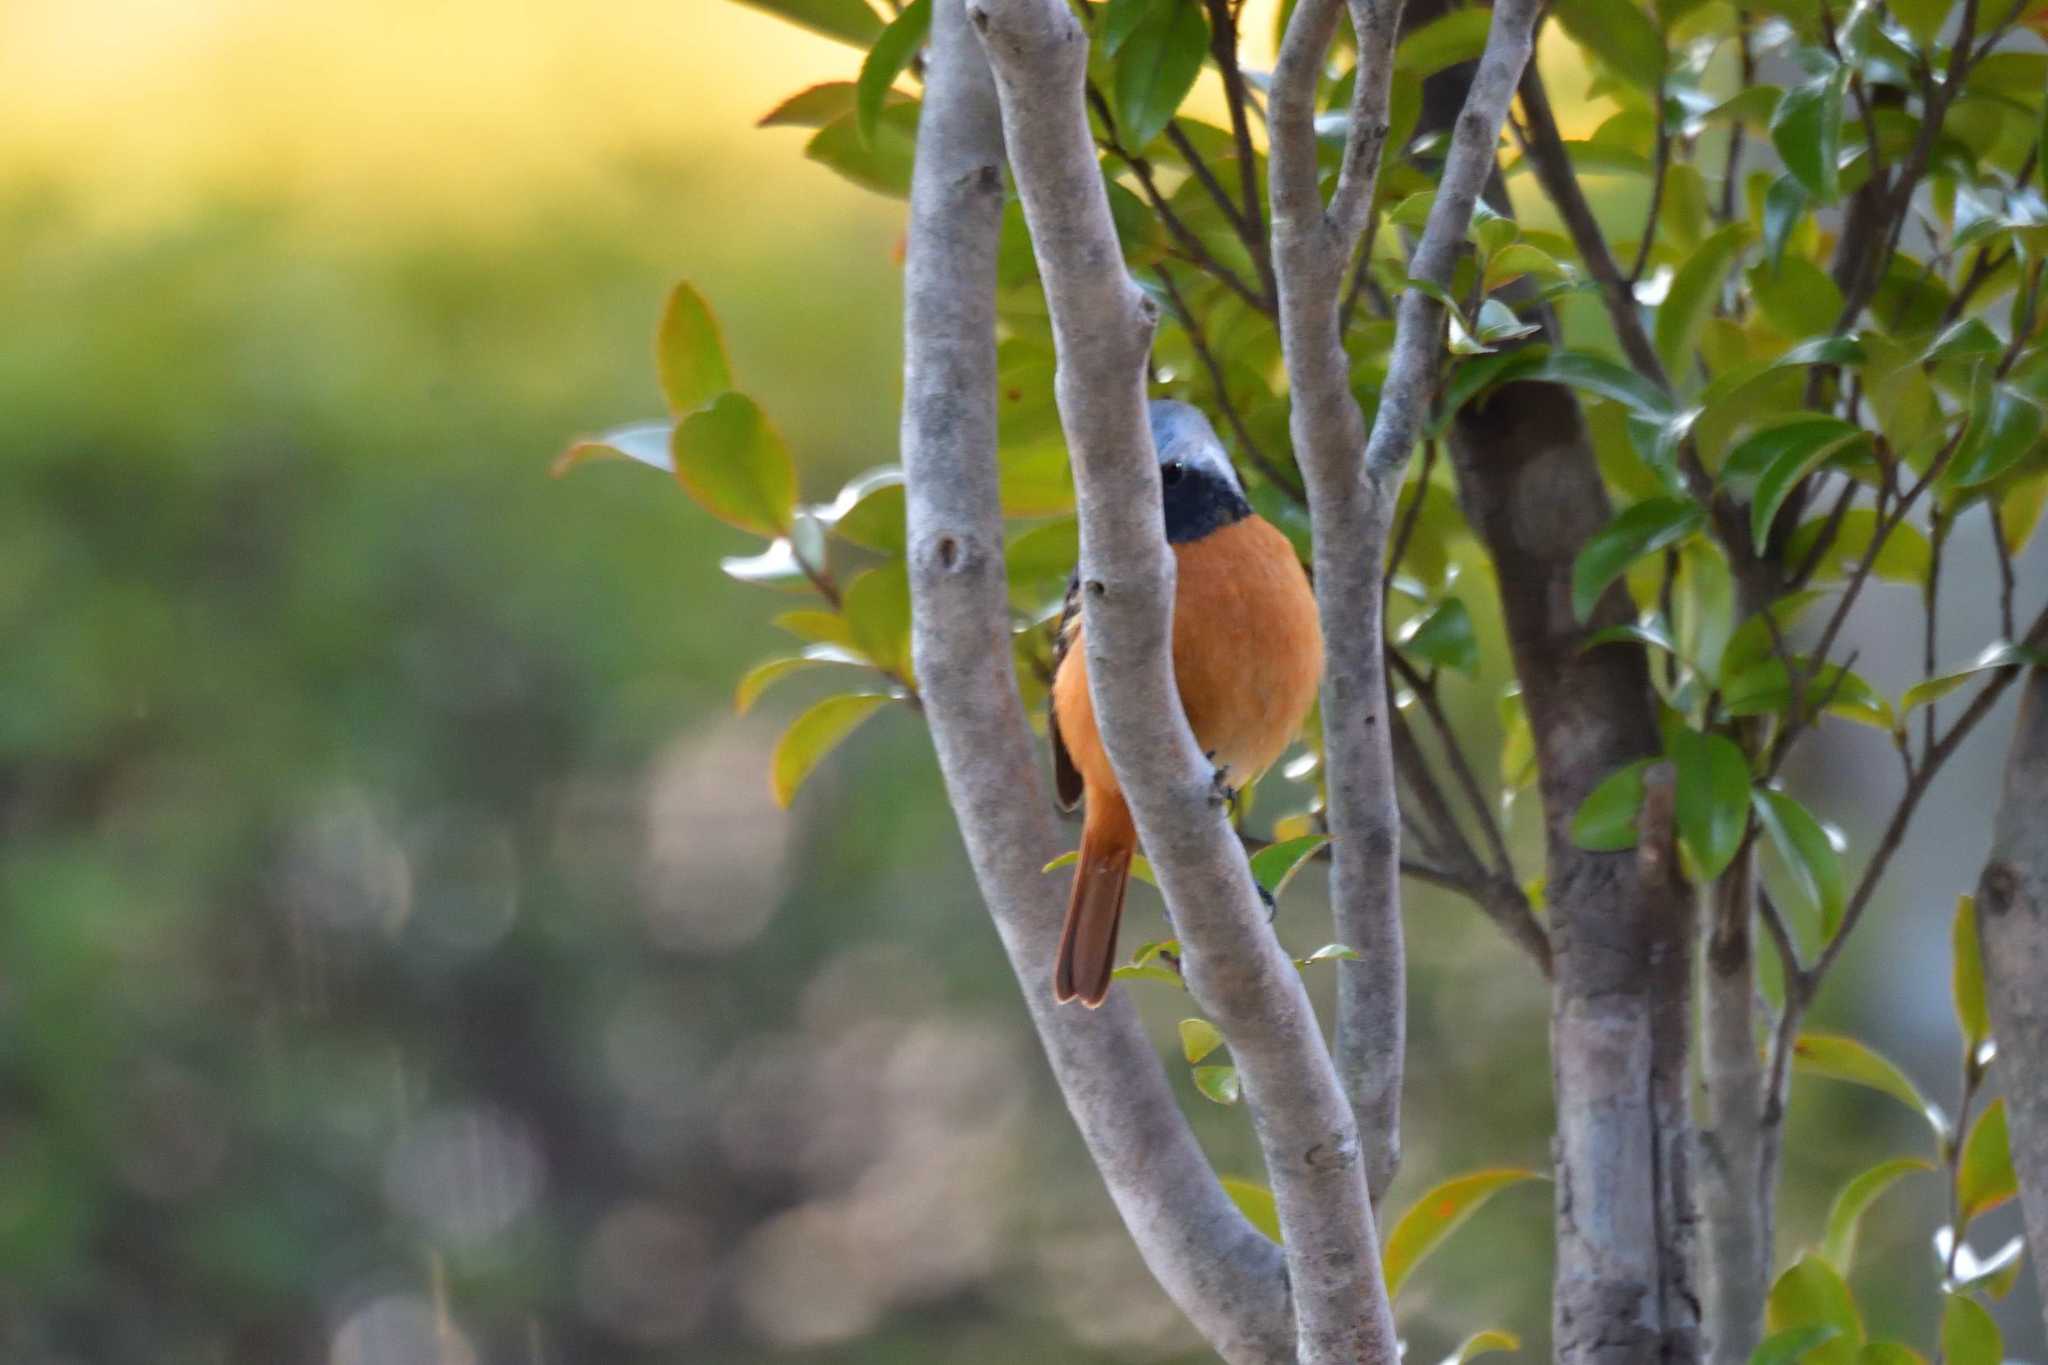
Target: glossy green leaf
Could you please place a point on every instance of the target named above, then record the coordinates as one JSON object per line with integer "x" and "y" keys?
{"x": 1517, "y": 259}
{"x": 769, "y": 672}
{"x": 1642, "y": 529}
{"x": 1712, "y": 798}
{"x": 1156, "y": 66}
{"x": 1985, "y": 1179}
{"x": 1966, "y": 975}
{"x": 1888, "y": 1353}
{"x": 1841, "y": 1058}
{"x": 1141, "y": 871}
{"x": 1968, "y": 1334}
{"x": 1785, "y": 204}
{"x": 1483, "y": 1343}
{"x": 1845, "y": 1215}
{"x": 735, "y": 465}
{"x": 1275, "y": 865}
{"x": 1922, "y": 18}
{"x": 850, "y": 21}
{"x": 1770, "y": 463}
{"x": 1791, "y": 1345}
{"x": 1811, "y": 1295}
{"x": 874, "y": 515}
{"x": 1444, "y": 638}
{"x": 689, "y": 354}
{"x": 1255, "y": 1202}
{"x": 814, "y": 734}
{"x": 1329, "y": 952}
{"x": 1694, "y": 291}
{"x": 1218, "y": 1083}
{"x": 876, "y": 606}
{"x": 1808, "y": 854}
{"x": 885, "y": 62}
{"x": 2008, "y": 432}
{"x": 1807, "y": 131}
{"x": 1798, "y": 299}
{"x": 1621, "y": 36}
{"x": 1605, "y": 821}
{"x": 819, "y": 627}
{"x": 2003, "y": 654}
{"x": 1604, "y": 379}
{"x": 1198, "y": 1038}
{"x": 880, "y": 161}
{"x": 1439, "y": 1213}
{"x": 812, "y": 107}
{"x": 643, "y": 443}
{"x": 2019, "y": 511}
{"x": 1458, "y": 36}
{"x": 1766, "y": 688}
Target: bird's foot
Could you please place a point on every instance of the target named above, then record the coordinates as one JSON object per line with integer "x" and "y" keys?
{"x": 1266, "y": 899}
{"x": 1221, "y": 792}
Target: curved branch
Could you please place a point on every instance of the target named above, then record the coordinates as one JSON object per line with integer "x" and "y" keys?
{"x": 1225, "y": 1275}
{"x": 1102, "y": 327}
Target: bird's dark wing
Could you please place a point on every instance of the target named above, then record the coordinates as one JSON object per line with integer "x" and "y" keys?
{"x": 1066, "y": 778}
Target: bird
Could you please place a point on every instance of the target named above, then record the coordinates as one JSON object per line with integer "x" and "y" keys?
{"x": 1247, "y": 658}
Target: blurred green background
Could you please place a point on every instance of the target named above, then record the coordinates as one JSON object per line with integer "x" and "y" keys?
{"x": 401, "y": 958}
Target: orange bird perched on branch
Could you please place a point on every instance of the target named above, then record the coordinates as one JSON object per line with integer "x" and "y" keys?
{"x": 1247, "y": 657}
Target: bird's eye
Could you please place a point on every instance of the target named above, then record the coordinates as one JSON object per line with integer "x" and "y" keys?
{"x": 1171, "y": 471}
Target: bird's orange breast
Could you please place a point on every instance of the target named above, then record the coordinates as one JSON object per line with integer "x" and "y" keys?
{"x": 1247, "y": 654}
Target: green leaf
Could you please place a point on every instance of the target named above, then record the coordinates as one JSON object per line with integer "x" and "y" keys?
{"x": 1255, "y": 1202}
{"x": 1713, "y": 798}
{"x": 1791, "y": 1345}
{"x": 1141, "y": 870}
{"x": 1784, "y": 205}
{"x": 1773, "y": 461}
{"x": 1904, "y": 557}
{"x": 1275, "y": 865}
{"x": 1438, "y": 1214}
{"x": 1845, "y": 1215}
{"x": 819, "y": 627}
{"x": 1156, "y": 67}
{"x": 2000, "y": 441}
{"x": 769, "y": 672}
{"x": 1966, "y": 976}
{"x": 1198, "y": 1038}
{"x": 885, "y": 62}
{"x": 1765, "y": 688}
{"x": 1807, "y": 131}
{"x": 1922, "y": 18}
{"x": 1218, "y": 1083}
{"x": 1603, "y": 378}
{"x": 814, "y": 734}
{"x": 1606, "y": 820}
{"x": 1888, "y": 1353}
{"x": 1459, "y": 36}
{"x": 644, "y": 442}
{"x": 1798, "y": 299}
{"x": 1444, "y": 637}
{"x": 879, "y": 162}
{"x": 735, "y": 465}
{"x": 689, "y": 354}
{"x": 1840, "y": 1058}
{"x": 1968, "y": 1334}
{"x": 812, "y": 107}
{"x": 1621, "y": 36}
{"x": 1810, "y": 1294}
{"x": 873, "y": 512}
{"x": 1483, "y": 1343}
{"x": 876, "y": 606}
{"x": 1694, "y": 291}
{"x": 2002, "y": 654}
{"x": 1808, "y": 853}
{"x": 1119, "y": 20}
{"x": 1643, "y": 529}
{"x": 850, "y": 21}
{"x": 1329, "y": 952}
{"x": 1517, "y": 259}
{"x": 1985, "y": 1178}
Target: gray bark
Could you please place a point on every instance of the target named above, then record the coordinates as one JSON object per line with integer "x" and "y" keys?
{"x": 1225, "y": 1275}
{"x": 1235, "y": 967}
{"x": 2012, "y": 916}
{"x": 1735, "y": 1197}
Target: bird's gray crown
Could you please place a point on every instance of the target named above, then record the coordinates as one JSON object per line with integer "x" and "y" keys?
{"x": 1181, "y": 431}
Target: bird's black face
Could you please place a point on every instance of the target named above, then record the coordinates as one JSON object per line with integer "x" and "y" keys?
{"x": 1198, "y": 499}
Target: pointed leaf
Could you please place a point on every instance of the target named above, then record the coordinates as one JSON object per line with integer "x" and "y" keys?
{"x": 1845, "y": 1215}
{"x": 1329, "y": 952}
{"x": 1444, "y": 637}
{"x": 644, "y": 442}
{"x": 1640, "y": 530}
{"x": 2005, "y": 437}
{"x": 885, "y": 62}
{"x": 1810, "y": 1294}
{"x": 1439, "y": 1213}
{"x": 1809, "y": 855}
{"x": 1483, "y": 1343}
{"x": 813, "y": 107}
{"x": 1968, "y": 1335}
{"x": 1784, "y": 205}
{"x": 735, "y": 465}
{"x": 1255, "y": 1202}
{"x": 1712, "y": 798}
{"x": 2003, "y": 654}
{"x": 1606, "y": 820}
{"x": 1621, "y": 36}
{"x": 1807, "y": 131}
{"x": 850, "y": 21}
{"x": 769, "y": 672}
{"x": 1772, "y": 461}
{"x": 1603, "y": 378}
{"x": 1967, "y": 976}
{"x": 1903, "y": 558}
{"x": 814, "y": 734}
{"x": 1198, "y": 1038}
{"x": 877, "y": 609}
{"x": 689, "y": 353}
{"x": 1459, "y": 36}
{"x": 1791, "y": 1345}
{"x": 1218, "y": 1083}
{"x": 1986, "y": 1179}
{"x": 1842, "y": 1058}
{"x": 1156, "y": 67}
{"x": 1694, "y": 291}
{"x": 879, "y": 162}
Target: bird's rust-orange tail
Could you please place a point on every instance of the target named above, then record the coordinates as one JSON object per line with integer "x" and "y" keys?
{"x": 1088, "y": 941}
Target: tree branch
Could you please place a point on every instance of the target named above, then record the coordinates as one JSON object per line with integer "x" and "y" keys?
{"x": 1225, "y": 1275}
{"x": 1249, "y": 987}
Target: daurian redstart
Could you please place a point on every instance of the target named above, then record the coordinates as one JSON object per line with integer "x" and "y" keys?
{"x": 1247, "y": 655}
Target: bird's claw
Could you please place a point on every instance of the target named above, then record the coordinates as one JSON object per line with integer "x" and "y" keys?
{"x": 1266, "y": 899}
{"x": 1221, "y": 793}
